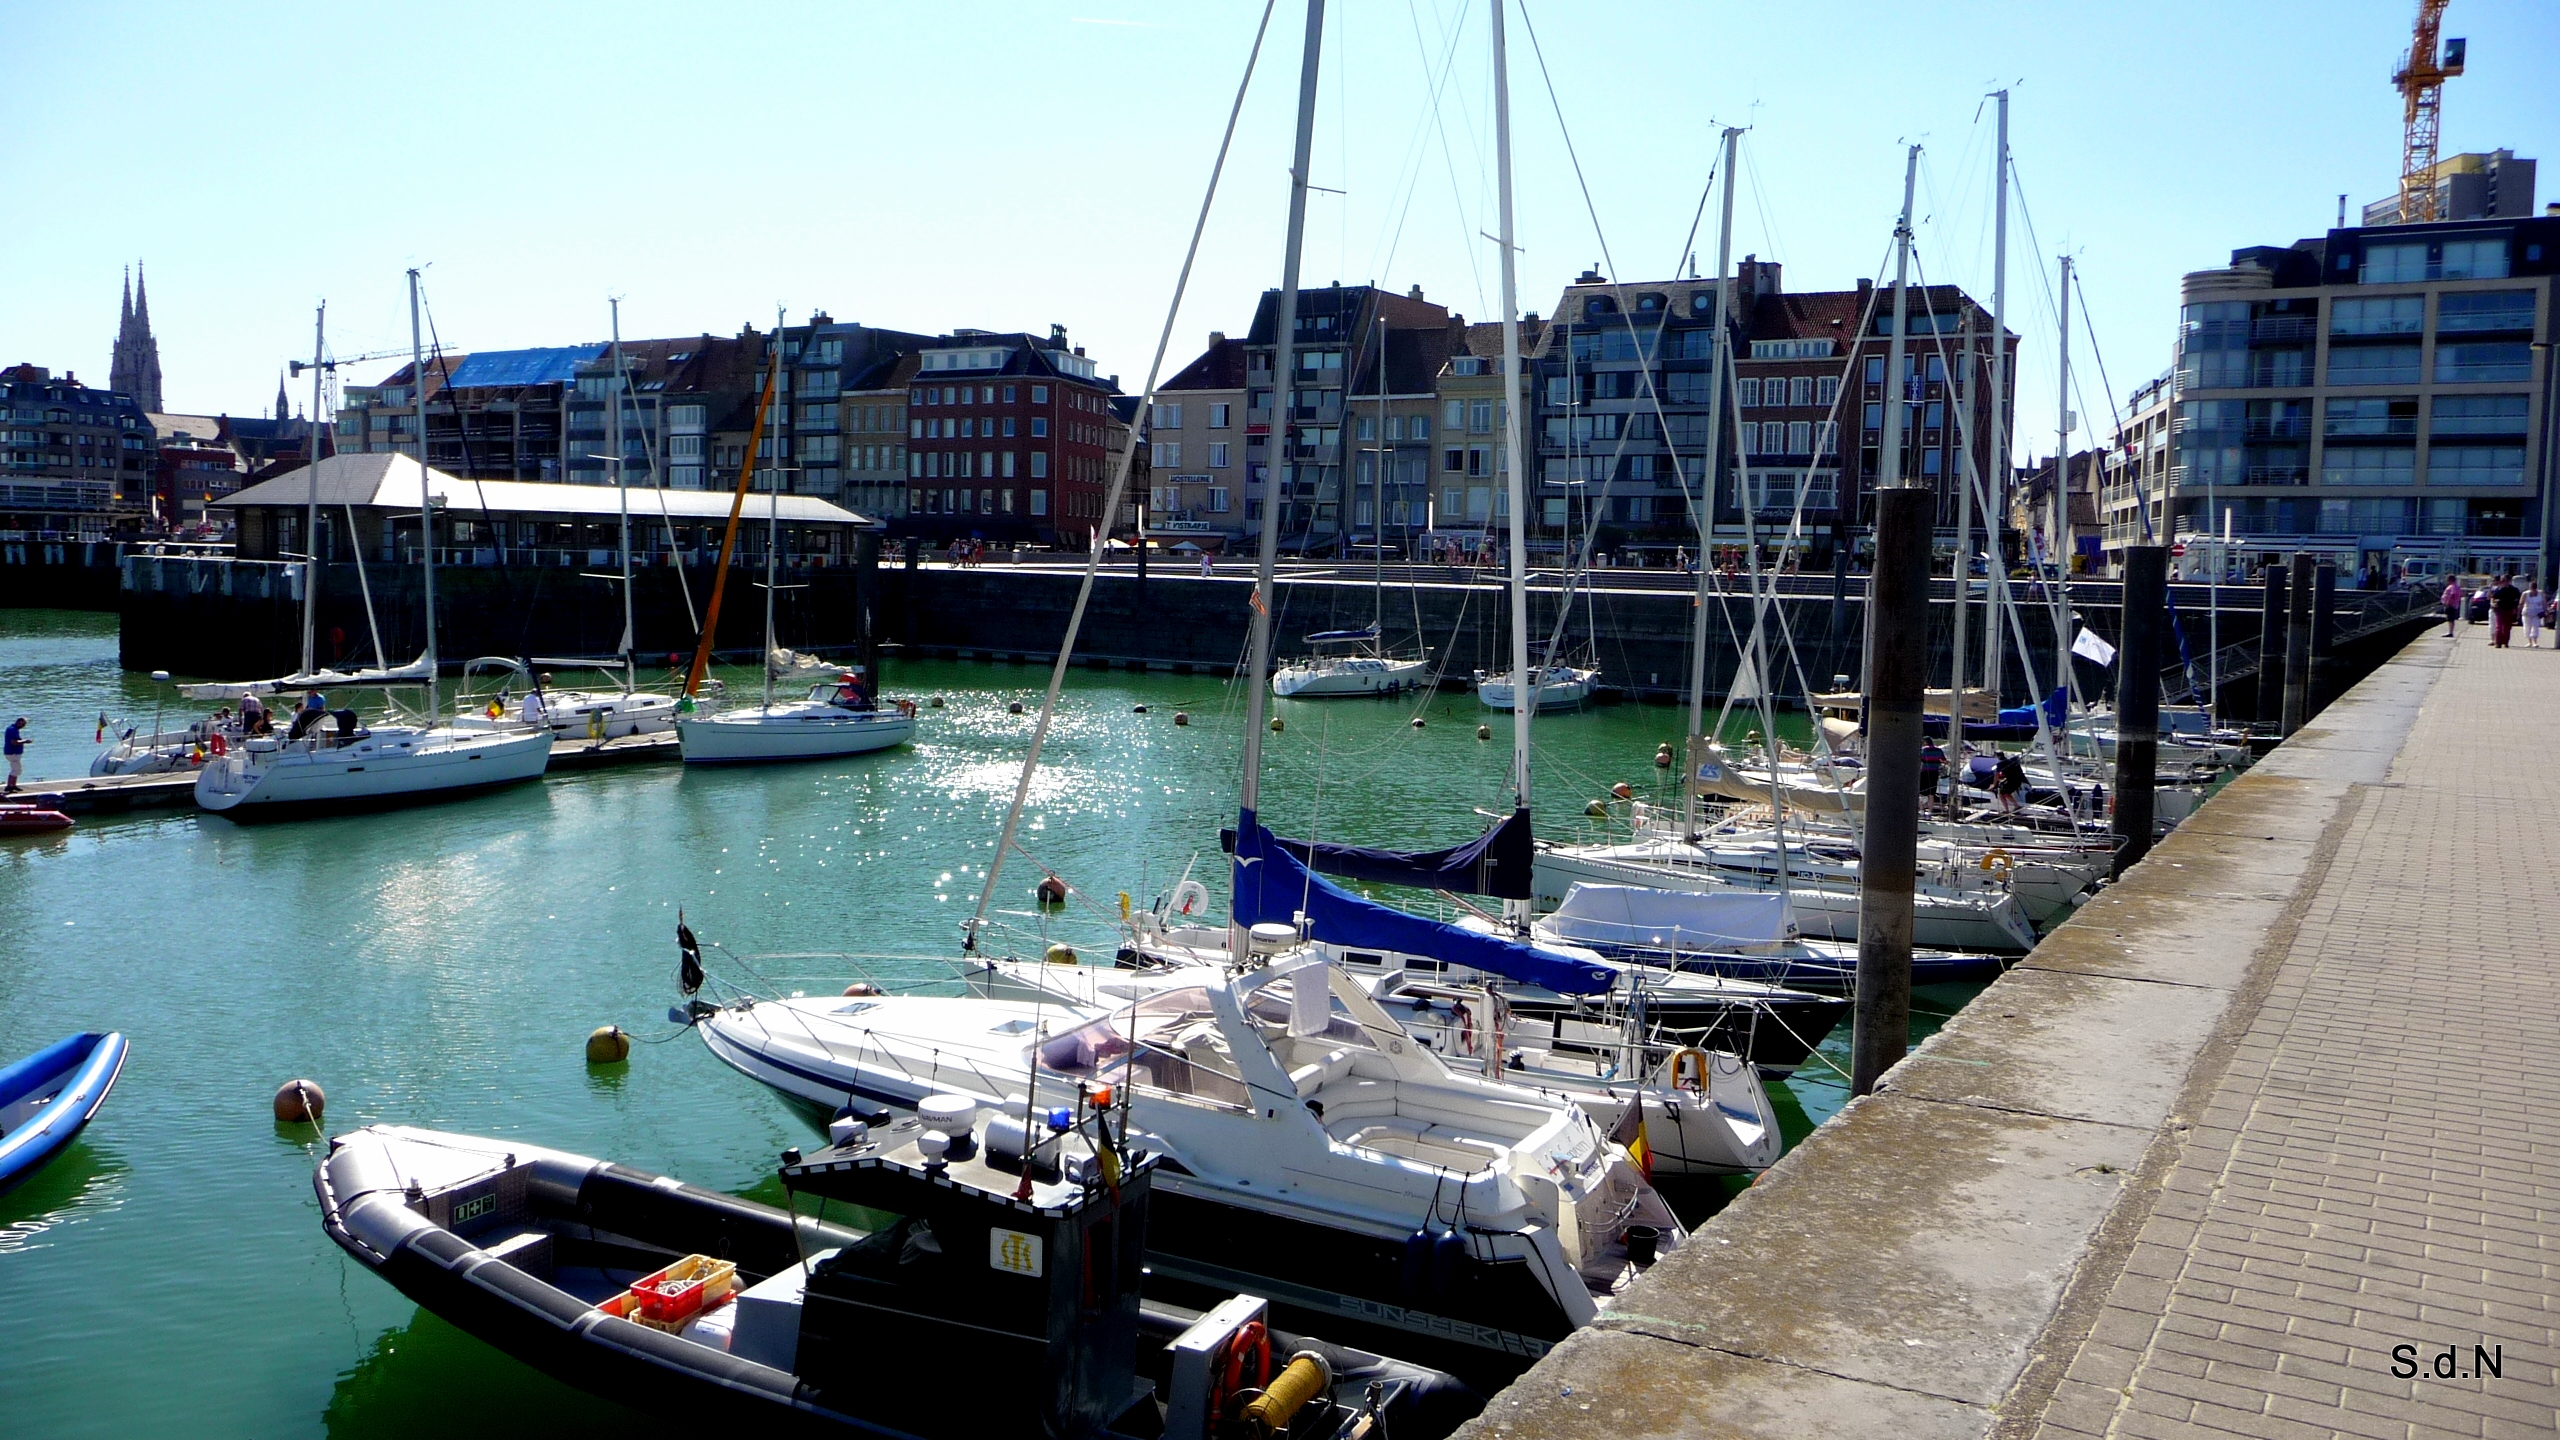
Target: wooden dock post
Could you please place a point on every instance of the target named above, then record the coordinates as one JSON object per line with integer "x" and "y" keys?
{"x": 2297, "y": 642}
{"x": 1888, "y": 868}
{"x": 2146, "y": 582}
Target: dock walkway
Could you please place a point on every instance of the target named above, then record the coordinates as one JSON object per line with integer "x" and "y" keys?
{"x": 2285, "y": 1099}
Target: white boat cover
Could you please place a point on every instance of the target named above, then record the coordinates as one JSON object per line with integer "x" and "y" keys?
{"x": 784, "y": 664}
{"x": 416, "y": 672}
{"x": 1639, "y": 915}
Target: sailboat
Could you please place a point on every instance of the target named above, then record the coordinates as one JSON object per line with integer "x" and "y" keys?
{"x": 837, "y": 717}
{"x": 573, "y": 712}
{"x": 337, "y": 761}
{"x": 1560, "y": 684}
{"x": 1355, "y": 662}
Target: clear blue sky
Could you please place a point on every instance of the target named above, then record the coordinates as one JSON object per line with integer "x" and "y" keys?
{"x": 1008, "y": 166}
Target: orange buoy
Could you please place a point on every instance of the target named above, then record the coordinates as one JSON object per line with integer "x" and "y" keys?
{"x": 862, "y": 987}
{"x": 300, "y": 1101}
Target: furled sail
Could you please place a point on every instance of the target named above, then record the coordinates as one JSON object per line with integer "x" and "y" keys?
{"x": 1272, "y": 885}
{"x": 416, "y": 672}
{"x": 1495, "y": 863}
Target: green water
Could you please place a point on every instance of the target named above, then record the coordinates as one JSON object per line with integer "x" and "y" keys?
{"x": 442, "y": 965}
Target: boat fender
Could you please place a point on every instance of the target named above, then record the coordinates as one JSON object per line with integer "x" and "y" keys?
{"x": 608, "y": 1045}
{"x": 299, "y": 1101}
{"x": 1302, "y": 1379}
{"x": 1996, "y": 862}
{"x": 1448, "y": 1252}
{"x": 1417, "y": 1261}
{"x": 217, "y": 744}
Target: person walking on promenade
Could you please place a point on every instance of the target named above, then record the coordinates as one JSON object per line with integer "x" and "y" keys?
{"x": 2506, "y": 602}
{"x": 14, "y": 742}
{"x": 2452, "y": 605}
{"x": 2535, "y": 603}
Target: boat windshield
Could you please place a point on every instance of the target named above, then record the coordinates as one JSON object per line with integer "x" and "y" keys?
{"x": 1169, "y": 1042}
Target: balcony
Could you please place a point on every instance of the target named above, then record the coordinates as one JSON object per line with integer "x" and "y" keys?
{"x": 2276, "y": 475}
{"x": 2293, "y": 428}
{"x": 2280, "y": 330}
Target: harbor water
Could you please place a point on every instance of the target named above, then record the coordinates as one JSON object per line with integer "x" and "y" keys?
{"x": 442, "y": 966}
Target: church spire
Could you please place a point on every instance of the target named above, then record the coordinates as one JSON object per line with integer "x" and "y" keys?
{"x": 281, "y": 410}
{"x": 135, "y": 367}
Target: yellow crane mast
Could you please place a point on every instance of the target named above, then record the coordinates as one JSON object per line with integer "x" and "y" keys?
{"x": 2420, "y": 81}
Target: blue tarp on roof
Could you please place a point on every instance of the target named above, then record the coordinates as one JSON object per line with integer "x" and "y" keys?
{"x": 555, "y": 365}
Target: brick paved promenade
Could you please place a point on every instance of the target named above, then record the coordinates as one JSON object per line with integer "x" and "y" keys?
{"x": 2379, "y": 1164}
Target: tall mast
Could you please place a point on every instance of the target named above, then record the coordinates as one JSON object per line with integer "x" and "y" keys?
{"x": 1997, "y": 494}
{"x": 311, "y": 511}
{"x": 1283, "y": 360}
{"x": 426, "y": 499}
{"x": 1897, "y": 395}
{"x": 622, "y": 483}
{"x": 1964, "y": 548}
{"x": 2061, "y": 523}
{"x": 1707, "y": 470}
{"x": 773, "y": 508}
{"x": 1524, "y": 686}
{"x": 1378, "y": 517}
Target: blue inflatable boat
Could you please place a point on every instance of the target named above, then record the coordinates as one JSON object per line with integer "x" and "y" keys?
{"x": 46, "y": 1098}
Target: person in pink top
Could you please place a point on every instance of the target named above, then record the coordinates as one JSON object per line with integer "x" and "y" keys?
{"x": 2452, "y": 605}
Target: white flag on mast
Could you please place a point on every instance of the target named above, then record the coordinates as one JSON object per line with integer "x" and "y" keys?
{"x": 2089, "y": 647}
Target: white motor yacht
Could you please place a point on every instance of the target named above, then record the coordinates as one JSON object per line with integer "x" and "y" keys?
{"x": 1314, "y": 1153}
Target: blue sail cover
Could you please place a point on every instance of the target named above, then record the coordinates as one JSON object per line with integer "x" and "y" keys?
{"x": 1495, "y": 863}
{"x": 1272, "y": 886}
{"x": 1339, "y": 637}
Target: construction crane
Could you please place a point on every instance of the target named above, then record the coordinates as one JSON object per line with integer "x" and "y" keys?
{"x": 2420, "y": 80}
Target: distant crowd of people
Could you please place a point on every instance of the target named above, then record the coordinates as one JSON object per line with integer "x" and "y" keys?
{"x": 2506, "y": 606}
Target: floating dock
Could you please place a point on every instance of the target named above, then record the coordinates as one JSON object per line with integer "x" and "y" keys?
{"x": 116, "y": 794}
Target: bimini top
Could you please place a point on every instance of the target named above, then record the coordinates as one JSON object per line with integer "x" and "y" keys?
{"x": 391, "y": 482}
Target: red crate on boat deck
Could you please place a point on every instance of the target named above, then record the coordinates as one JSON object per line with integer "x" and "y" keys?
{"x": 673, "y": 1295}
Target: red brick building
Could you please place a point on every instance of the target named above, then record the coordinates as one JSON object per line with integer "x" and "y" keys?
{"x": 1008, "y": 440}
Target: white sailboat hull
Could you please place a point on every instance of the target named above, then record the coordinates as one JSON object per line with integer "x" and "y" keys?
{"x": 1991, "y": 921}
{"x": 586, "y": 715}
{"x": 798, "y": 730}
{"x": 385, "y": 766}
{"x": 1559, "y": 688}
{"x": 1360, "y": 675}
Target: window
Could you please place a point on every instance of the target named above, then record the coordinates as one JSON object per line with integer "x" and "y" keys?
{"x": 1039, "y": 471}
{"x": 1875, "y": 369}
{"x": 915, "y": 466}
{"x": 2368, "y": 465}
{"x": 1008, "y": 466}
{"x": 1873, "y": 419}
{"x": 1011, "y": 393}
{"x": 2494, "y": 310}
{"x": 1218, "y": 500}
{"x": 2378, "y": 415}
{"x": 1800, "y": 390}
{"x": 1800, "y": 437}
{"x": 686, "y": 417}
{"x": 1167, "y": 455}
{"x": 1008, "y": 427}
{"x": 1480, "y": 417}
{"x": 819, "y": 447}
{"x": 1746, "y": 436}
{"x": 1453, "y": 460}
{"x": 1039, "y": 498}
{"x": 1168, "y": 416}
{"x": 2467, "y": 364}
{"x": 1935, "y": 416}
{"x": 2394, "y": 264}
{"x": 1039, "y": 424}
{"x": 1826, "y": 438}
{"x": 1039, "y": 396}
{"x": 1218, "y": 455}
{"x": 1559, "y": 389}
{"x": 1478, "y": 460}
{"x": 1454, "y": 415}
{"x": 2477, "y": 414}
{"x": 2476, "y": 465}
{"x": 1826, "y": 390}
{"x": 2474, "y": 260}
{"x": 1419, "y": 428}
{"x": 684, "y": 447}
{"x": 2374, "y": 365}
{"x": 1685, "y": 387}
{"x": 1219, "y": 414}
{"x": 1749, "y": 392}
{"x": 2380, "y": 315}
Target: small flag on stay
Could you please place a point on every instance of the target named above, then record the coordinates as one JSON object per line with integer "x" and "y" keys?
{"x": 2089, "y": 647}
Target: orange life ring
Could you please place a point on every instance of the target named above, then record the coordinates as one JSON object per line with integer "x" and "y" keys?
{"x": 1689, "y": 1070}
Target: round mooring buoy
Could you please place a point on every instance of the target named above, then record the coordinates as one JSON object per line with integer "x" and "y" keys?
{"x": 1061, "y": 954}
{"x": 1417, "y": 722}
{"x": 1597, "y": 809}
{"x": 608, "y": 1045}
{"x": 862, "y": 987}
{"x": 1484, "y": 732}
{"x": 1278, "y": 724}
{"x": 1137, "y": 709}
{"x": 300, "y": 1101}
{"x": 1014, "y": 709}
{"x": 1623, "y": 790}
{"x": 1181, "y": 717}
{"x": 1051, "y": 890}
{"x": 1662, "y": 758}
{"x": 936, "y": 702}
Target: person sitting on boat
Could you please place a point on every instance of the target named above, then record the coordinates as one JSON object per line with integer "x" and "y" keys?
{"x": 315, "y": 708}
{"x": 532, "y": 711}
{"x": 853, "y": 692}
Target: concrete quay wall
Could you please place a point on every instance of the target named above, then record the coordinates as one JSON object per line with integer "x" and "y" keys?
{"x": 1930, "y": 1261}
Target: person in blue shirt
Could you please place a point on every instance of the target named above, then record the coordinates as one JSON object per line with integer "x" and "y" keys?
{"x": 13, "y": 741}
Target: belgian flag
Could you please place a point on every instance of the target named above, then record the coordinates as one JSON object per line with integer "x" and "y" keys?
{"x": 1629, "y": 1132}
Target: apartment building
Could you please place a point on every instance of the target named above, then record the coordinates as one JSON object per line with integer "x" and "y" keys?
{"x": 76, "y": 462}
{"x": 2133, "y": 486}
{"x": 1467, "y": 439}
{"x": 1356, "y": 348}
{"x": 1007, "y": 438}
{"x": 875, "y": 437}
{"x": 491, "y": 414}
{"x": 1197, "y": 452}
{"x": 2376, "y": 393}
